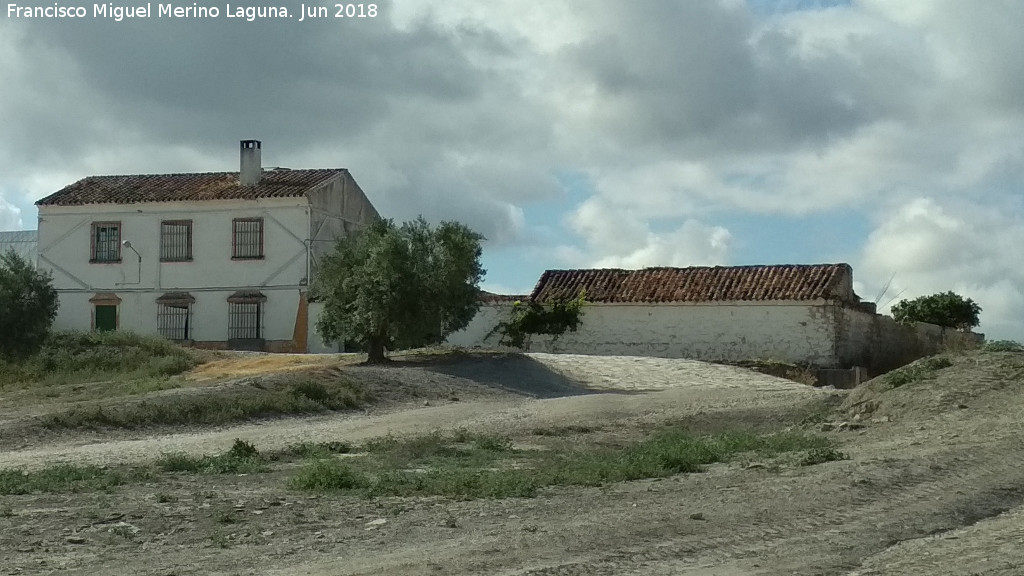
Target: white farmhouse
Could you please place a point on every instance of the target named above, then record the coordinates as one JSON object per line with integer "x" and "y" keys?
{"x": 214, "y": 260}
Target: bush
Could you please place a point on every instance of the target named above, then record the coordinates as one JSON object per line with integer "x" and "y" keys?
{"x": 559, "y": 317}
{"x": 71, "y": 356}
{"x": 946, "y": 309}
{"x": 1003, "y": 346}
{"x": 28, "y": 306}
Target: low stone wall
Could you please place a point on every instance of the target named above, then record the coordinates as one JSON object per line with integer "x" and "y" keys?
{"x": 881, "y": 344}
{"x": 822, "y": 335}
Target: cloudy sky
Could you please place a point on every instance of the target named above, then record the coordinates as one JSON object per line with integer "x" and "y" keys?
{"x": 595, "y": 133}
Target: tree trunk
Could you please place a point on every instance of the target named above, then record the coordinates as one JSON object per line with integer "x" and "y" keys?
{"x": 375, "y": 350}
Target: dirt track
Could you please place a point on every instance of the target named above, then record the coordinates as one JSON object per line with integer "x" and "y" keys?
{"x": 921, "y": 494}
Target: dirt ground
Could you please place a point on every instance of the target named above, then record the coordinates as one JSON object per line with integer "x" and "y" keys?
{"x": 933, "y": 485}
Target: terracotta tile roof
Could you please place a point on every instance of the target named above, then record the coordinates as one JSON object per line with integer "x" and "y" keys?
{"x": 700, "y": 284}
{"x": 186, "y": 187}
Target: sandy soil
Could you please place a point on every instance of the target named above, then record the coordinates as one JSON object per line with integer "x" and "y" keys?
{"x": 933, "y": 485}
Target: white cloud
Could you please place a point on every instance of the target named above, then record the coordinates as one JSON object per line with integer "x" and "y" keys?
{"x": 616, "y": 237}
{"x": 676, "y": 112}
{"x": 928, "y": 246}
{"x": 10, "y": 216}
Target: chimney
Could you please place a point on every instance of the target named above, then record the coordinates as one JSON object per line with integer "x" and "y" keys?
{"x": 251, "y": 166}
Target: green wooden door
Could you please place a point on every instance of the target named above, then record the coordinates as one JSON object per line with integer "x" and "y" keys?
{"x": 106, "y": 318}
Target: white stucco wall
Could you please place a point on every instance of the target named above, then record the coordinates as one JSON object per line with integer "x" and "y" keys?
{"x": 786, "y": 332}
{"x": 137, "y": 312}
{"x": 476, "y": 333}
{"x": 212, "y": 276}
{"x": 316, "y": 344}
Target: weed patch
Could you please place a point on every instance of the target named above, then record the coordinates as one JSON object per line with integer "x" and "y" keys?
{"x": 821, "y": 455}
{"x": 328, "y": 474}
{"x": 60, "y": 478}
{"x": 463, "y": 465}
{"x": 77, "y": 357}
{"x": 319, "y": 449}
{"x": 213, "y": 408}
{"x": 242, "y": 458}
{"x": 921, "y": 370}
{"x": 564, "y": 430}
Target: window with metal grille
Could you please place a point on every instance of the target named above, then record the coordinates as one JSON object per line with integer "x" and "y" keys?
{"x": 244, "y": 321}
{"x": 247, "y": 238}
{"x": 174, "y": 321}
{"x": 175, "y": 240}
{"x": 106, "y": 242}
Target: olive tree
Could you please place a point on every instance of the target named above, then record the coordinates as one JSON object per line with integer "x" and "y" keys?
{"x": 396, "y": 287}
{"x": 28, "y": 306}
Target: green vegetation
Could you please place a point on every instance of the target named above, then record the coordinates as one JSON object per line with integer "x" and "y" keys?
{"x": 1003, "y": 346}
{"x": 242, "y": 458}
{"x": 555, "y": 319}
{"x": 455, "y": 465}
{"x": 319, "y": 449}
{"x": 84, "y": 357}
{"x": 62, "y": 478}
{"x": 564, "y": 430}
{"x": 399, "y": 287}
{"x": 921, "y": 370}
{"x": 28, "y": 306}
{"x": 816, "y": 456}
{"x": 218, "y": 406}
{"x": 947, "y": 309}
{"x": 462, "y": 465}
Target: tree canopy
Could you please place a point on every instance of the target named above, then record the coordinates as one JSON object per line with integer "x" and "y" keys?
{"x": 396, "y": 287}
{"x": 947, "y": 309}
{"x": 554, "y": 319}
{"x": 28, "y": 306}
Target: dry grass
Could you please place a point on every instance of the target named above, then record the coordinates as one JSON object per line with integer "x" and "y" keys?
{"x": 238, "y": 366}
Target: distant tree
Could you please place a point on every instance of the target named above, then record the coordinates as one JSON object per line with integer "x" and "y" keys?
{"x": 947, "y": 309}
{"x": 28, "y": 305}
{"x": 399, "y": 287}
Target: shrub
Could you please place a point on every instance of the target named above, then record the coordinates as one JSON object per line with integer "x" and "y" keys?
{"x": 315, "y": 391}
{"x": 1003, "y": 346}
{"x": 556, "y": 319}
{"x": 71, "y": 356}
{"x": 28, "y": 306}
{"x": 947, "y": 309}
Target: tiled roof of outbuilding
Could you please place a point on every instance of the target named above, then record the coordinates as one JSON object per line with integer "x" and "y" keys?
{"x": 699, "y": 284}
{"x": 187, "y": 187}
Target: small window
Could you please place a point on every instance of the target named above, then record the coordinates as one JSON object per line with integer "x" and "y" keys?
{"x": 247, "y": 238}
{"x": 176, "y": 241}
{"x": 106, "y": 242}
{"x": 244, "y": 320}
